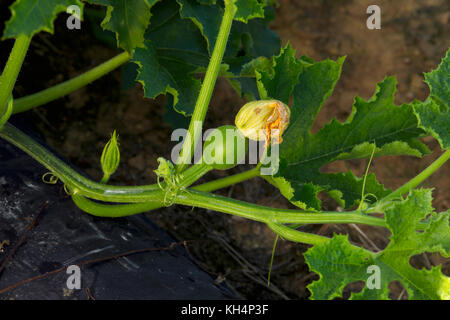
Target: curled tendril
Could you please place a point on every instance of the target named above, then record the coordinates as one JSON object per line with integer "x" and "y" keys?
{"x": 67, "y": 190}
{"x": 371, "y": 195}
{"x": 52, "y": 180}
{"x": 364, "y": 204}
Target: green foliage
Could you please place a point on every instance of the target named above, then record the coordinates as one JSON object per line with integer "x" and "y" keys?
{"x": 439, "y": 82}
{"x": 171, "y": 43}
{"x": 174, "y": 50}
{"x": 206, "y": 17}
{"x": 249, "y": 9}
{"x": 339, "y": 263}
{"x": 279, "y": 79}
{"x": 178, "y": 44}
{"x": 434, "y": 113}
{"x": 393, "y": 129}
{"x": 29, "y": 17}
{"x": 434, "y": 120}
{"x": 128, "y": 19}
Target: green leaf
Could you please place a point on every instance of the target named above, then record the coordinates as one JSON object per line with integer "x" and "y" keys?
{"x": 308, "y": 191}
{"x": 206, "y": 17}
{"x": 259, "y": 64}
{"x": 376, "y": 122}
{"x": 434, "y": 113}
{"x": 251, "y": 40}
{"x": 364, "y": 150}
{"x": 249, "y": 44}
{"x": 249, "y": 9}
{"x": 178, "y": 46}
{"x": 279, "y": 81}
{"x": 161, "y": 76}
{"x": 439, "y": 82}
{"x": 128, "y": 19}
{"x": 247, "y": 41}
{"x": 435, "y": 120}
{"x": 339, "y": 263}
{"x": 30, "y": 17}
{"x": 173, "y": 51}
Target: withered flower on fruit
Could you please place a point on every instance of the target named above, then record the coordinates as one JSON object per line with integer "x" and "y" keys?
{"x": 263, "y": 120}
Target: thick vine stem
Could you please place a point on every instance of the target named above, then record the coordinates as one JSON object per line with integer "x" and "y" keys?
{"x": 193, "y": 198}
{"x": 207, "y": 88}
{"x": 153, "y": 194}
{"x": 12, "y": 68}
{"x": 62, "y": 89}
{"x": 75, "y": 181}
{"x": 99, "y": 191}
{"x": 295, "y": 235}
{"x": 80, "y": 185}
{"x": 411, "y": 184}
{"x": 121, "y": 210}
{"x": 265, "y": 214}
{"x": 113, "y": 211}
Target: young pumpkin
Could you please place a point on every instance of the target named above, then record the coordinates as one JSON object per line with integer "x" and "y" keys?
{"x": 224, "y": 148}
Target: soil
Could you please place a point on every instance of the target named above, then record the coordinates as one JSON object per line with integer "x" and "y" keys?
{"x": 413, "y": 38}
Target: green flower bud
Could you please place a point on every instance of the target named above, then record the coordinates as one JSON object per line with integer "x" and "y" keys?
{"x": 110, "y": 157}
{"x": 263, "y": 120}
{"x": 224, "y": 148}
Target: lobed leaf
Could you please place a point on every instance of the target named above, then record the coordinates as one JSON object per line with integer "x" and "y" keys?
{"x": 178, "y": 44}
{"x": 434, "y": 113}
{"x": 377, "y": 123}
{"x": 206, "y": 17}
{"x": 128, "y": 19}
{"x": 29, "y": 17}
{"x": 279, "y": 81}
{"x": 173, "y": 51}
{"x": 439, "y": 82}
{"x": 339, "y": 263}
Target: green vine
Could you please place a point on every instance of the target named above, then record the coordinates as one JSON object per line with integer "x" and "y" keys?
{"x": 279, "y": 81}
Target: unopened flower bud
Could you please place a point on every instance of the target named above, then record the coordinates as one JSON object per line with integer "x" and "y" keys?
{"x": 263, "y": 120}
{"x": 110, "y": 156}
